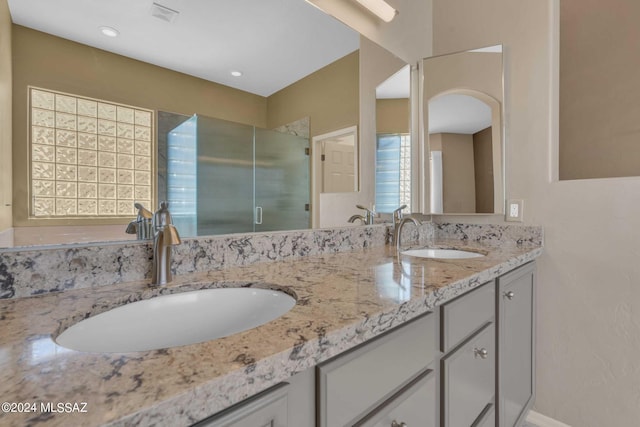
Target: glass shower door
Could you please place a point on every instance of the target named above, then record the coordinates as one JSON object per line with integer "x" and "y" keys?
{"x": 281, "y": 181}
{"x": 225, "y": 177}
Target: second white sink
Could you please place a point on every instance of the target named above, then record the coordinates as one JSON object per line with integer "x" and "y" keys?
{"x": 177, "y": 319}
{"x": 441, "y": 253}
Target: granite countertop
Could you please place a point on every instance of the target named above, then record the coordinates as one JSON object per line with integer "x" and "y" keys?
{"x": 343, "y": 299}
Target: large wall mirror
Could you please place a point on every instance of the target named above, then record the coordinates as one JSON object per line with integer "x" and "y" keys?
{"x": 237, "y": 66}
{"x": 463, "y": 106}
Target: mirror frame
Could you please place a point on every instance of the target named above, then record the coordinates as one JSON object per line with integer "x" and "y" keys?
{"x": 499, "y": 156}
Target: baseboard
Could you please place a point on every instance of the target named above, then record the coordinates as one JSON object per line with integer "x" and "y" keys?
{"x": 543, "y": 421}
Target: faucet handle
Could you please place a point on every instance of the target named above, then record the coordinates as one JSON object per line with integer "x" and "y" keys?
{"x": 397, "y": 214}
{"x": 143, "y": 213}
{"x": 370, "y": 214}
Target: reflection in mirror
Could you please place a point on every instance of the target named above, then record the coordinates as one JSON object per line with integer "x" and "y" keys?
{"x": 464, "y": 95}
{"x": 460, "y": 162}
{"x": 313, "y": 75}
{"x": 393, "y": 142}
{"x": 265, "y": 176}
{"x": 335, "y": 165}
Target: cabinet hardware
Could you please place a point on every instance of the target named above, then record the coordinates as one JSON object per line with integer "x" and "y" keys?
{"x": 394, "y": 423}
{"x": 481, "y": 353}
{"x": 509, "y": 295}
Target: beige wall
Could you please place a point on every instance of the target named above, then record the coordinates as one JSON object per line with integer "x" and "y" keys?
{"x": 5, "y": 117}
{"x": 599, "y": 89}
{"x": 480, "y": 71}
{"x": 483, "y": 166}
{"x": 458, "y": 172}
{"x": 393, "y": 115}
{"x": 329, "y": 97}
{"x": 588, "y": 298}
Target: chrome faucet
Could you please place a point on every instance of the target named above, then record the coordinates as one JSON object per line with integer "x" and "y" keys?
{"x": 367, "y": 218}
{"x": 142, "y": 225}
{"x": 398, "y": 229}
{"x": 398, "y": 223}
{"x": 165, "y": 235}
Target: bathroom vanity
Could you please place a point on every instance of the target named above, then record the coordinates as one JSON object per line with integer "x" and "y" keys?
{"x": 376, "y": 338}
{"x": 467, "y": 363}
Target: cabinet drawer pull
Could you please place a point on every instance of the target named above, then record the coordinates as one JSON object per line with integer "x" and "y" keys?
{"x": 481, "y": 353}
{"x": 509, "y": 295}
{"x": 394, "y": 423}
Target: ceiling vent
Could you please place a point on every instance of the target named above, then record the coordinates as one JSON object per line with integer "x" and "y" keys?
{"x": 163, "y": 12}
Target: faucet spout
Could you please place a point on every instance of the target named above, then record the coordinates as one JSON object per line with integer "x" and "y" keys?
{"x": 398, "y": 222}
{"x": 398, "y": 229}
{"x": 356, "y": 217}
{"x": 165, "y": 236}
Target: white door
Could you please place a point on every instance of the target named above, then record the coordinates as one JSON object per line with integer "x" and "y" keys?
{"x": 338, "y": 165}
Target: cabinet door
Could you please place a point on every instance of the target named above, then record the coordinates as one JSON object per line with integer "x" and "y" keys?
{"x": 516, "y": 320}
{"x": 468, "y": 379}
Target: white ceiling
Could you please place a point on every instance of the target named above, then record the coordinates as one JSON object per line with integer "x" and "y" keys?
{"x": 458, "y": 114}
{"x": 396, "y": 86}
{"x": 272, "y": 42}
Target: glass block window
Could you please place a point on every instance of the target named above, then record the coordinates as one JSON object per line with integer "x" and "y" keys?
{"x": 393, "y": 171}
{"x": 88, "y": 157}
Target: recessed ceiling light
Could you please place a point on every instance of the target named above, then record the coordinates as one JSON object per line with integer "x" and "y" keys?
{"x": 109, "y": 32}
{"x": 236, "y": 73}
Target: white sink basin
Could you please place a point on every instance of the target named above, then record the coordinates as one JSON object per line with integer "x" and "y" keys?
{"x": 178, "y": 319}
{"x": 441, "y": 253}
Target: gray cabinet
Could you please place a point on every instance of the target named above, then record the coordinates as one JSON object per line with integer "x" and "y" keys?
{"x": 516, "y": 345}
{"x": 267, "y": 409}
{"x": 355, "y": 385}
{"x": 468, "y": 379}
{"x": 468, "y": 367}
{"x": 290, "y": 404}
{"x": 415, "y": 405}
{"x": 488, "y": 417}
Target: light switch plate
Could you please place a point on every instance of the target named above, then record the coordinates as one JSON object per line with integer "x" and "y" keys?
{"x": 514, "y": 210}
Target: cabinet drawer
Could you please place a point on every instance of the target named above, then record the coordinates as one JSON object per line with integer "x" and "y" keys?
{"x": 352, "y": 385}
{"x": 487, "y": 418}
{"x": 468, "y": 379}
{"x": 462, "y": 316}
{"x": 415, "y": 405}
{"x": 267, "y": 409}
